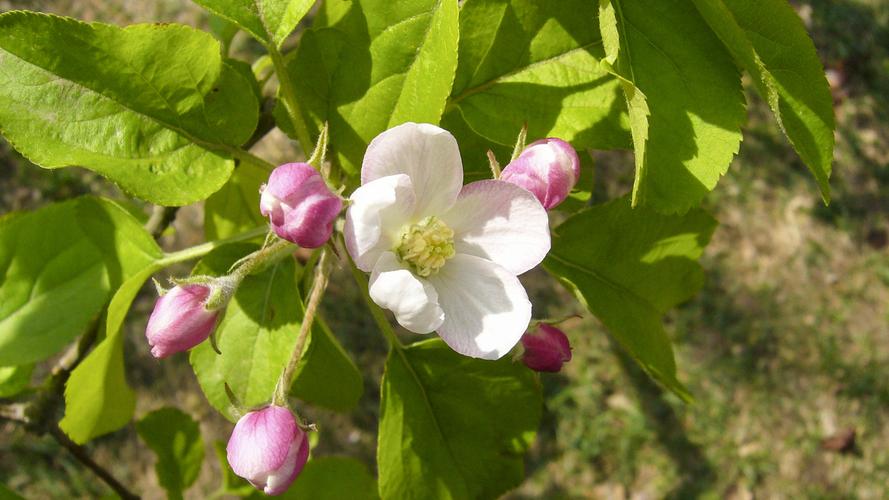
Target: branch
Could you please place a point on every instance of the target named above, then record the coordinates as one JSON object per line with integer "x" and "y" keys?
{"x": 83, "y": 457}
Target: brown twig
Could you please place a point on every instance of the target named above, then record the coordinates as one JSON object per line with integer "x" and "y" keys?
{"x": 83, "y": 457}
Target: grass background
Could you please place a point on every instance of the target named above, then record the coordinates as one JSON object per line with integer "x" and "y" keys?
{"x": 785, "y": 347}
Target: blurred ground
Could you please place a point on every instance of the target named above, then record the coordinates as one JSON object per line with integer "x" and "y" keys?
{"x": 786, "y": 349}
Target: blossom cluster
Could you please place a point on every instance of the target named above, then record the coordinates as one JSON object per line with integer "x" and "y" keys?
{"x": 442, "y": 256}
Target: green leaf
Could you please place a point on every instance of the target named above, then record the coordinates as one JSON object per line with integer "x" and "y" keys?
{"x": 690, "y": 90}
{"x": 523, "y": 61}
{"x": 14, "y": 379}
{"x": 381, "y": 64}
{"x": 256, "y": 336}
{"x": 333, "y": 478}
{"x": 98, "y": 399}
{"x": 453, "y": 426}
{"x": 629, "y": 266}
{"x": 769, "y": 41}
{"x": 327, "y": 376}
{"x": 176, "y": 440}
{"x": 151, "y": 107}
{"x": 269, "y": 21}
{"x": 235, "y": 208}
{"x": 58, "y": 266}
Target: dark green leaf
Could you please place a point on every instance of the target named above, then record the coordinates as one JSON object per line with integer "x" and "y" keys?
{"x": 327, "y": 376}
{"x": 152, "y": 107}
{"x": 629, "y": 266}
{"x": 524, "y": 61}
{"x": 176, "y": 440}
{"x": 685, "y": 97}
{"x": 376, "y": 65}
{"x": 769, "y": 41}
{"x": 453, "y": 426}
{"x": 269, "y": 21}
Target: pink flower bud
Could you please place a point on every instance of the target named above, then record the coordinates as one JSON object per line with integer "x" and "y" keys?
{"x": 546, "y": 349}
{"x": 268, "y": 449}
{"x": 549, "y": 168}
{"x": 180, "y": 320}
{"x": 299, "y": 205}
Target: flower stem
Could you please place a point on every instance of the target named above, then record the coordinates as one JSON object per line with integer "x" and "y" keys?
{"x": 199, "y": 251}
{"x": 319, "y": 285}
{"x": 375, "y": 311}
{"x": 258, "y": 260}
{"x": 288, "y": 95}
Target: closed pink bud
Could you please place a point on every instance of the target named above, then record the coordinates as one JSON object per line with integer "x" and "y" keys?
{"x": 180, "y": 320}
{"x": 299, "y": 205}
{"x": 549, "y": 168}
{"x": 268, "y": 449}
{"x": 546, "y": 349}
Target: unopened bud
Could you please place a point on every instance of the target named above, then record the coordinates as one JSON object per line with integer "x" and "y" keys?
{"x": 546, "y": 349}
{"x": 548, "y": 168}
{"x": 268, "y": 448}
{"x": 299, "y": 205}
{"x": 181, "y": 320}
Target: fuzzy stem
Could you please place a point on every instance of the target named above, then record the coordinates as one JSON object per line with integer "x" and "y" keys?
{"x": 288, "y": 95}
{"x": 319, "y": 285}
{"x": 198, "y": 251}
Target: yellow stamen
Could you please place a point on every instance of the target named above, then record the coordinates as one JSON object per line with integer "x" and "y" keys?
{"x": 426, "y": 246}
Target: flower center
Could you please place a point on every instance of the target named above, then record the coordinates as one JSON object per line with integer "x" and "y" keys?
{"x": 426, "y": 246}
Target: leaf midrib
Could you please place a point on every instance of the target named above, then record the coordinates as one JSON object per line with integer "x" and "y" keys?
{"x": 428, "y": 403}
{"x": 605, "y": 281}
{"x": 217, "y": 146}
{"x": 454, "y": 100}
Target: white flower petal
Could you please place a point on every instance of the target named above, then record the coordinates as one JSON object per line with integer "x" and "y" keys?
{"x": 486, "y": 307}
{"x": 413, "y": 300}
{"x": 500, "y": 222}
{"x": 377, "y": 213}
{"x": 427, "y": 154}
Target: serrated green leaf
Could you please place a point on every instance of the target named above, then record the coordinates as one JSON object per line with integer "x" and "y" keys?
{"x": 692, "y": 93}
{"x": 629, "y": 267}
{"x": 58, "y": 266}
{"x": 98, "y": 399}
{"x": 453, "y": 426}
{"x": 269, "y": 21}
{"x": 333, "y": 478}
{"x": 151, "y": 107}
{"x": 769, "y": 41}
{"x": 381, "y": 64}
{"x": 256, "y": 335}
{"x": 235, "y": 208}
{"x": 524, "y": 61}
{"x": 176, "y": 440}
{"x": 14, "y": 379}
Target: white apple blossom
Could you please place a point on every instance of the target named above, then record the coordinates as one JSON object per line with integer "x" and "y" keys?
{"x": 442, "y": 256}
